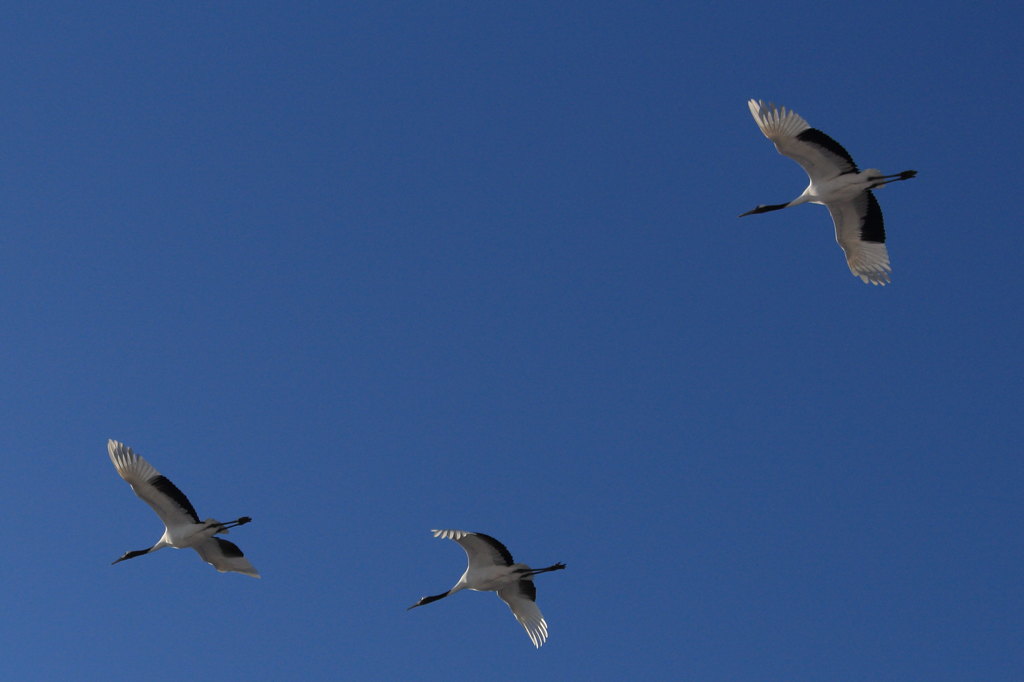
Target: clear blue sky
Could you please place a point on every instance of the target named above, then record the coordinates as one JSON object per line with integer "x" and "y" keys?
{"x": 362, "y": 271}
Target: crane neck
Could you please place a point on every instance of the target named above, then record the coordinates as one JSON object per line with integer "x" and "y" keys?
{"x": 771, "y": 207}
{"x": 132, "y": 555}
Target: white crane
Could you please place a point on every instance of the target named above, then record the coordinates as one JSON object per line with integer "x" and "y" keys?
{"x": 183, "y": 527}
{"x": 837, "y": 184}
{"x": 491, "y": 569}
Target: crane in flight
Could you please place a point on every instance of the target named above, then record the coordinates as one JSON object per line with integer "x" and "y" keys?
{"x": 837, "y": 184}
{"x": 491, "y": 569}
{"x": 182, "y": 527}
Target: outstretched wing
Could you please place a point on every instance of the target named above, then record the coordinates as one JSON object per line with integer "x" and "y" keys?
{"x": 225, "y": 556}
{"x": 482, "y": 550}
{"x": 860, "y": 230}
{"x": 818, "y": 154}
{"x": 521, "y": 597}
{"x": 169, "y": 503}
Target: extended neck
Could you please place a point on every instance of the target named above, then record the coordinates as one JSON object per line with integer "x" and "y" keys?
{"x": 765, "y": 209}
{"x": 132, "y": 555}
{"x": 427, "y": 600}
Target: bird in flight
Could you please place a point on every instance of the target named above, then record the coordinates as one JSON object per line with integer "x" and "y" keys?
{"x": 491, "y": 569}
{"x": 182, "y": 525}
{"x": 835, "y": 183}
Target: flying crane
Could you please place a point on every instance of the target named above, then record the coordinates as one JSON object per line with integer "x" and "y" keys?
{"x": 182, "y": 525}
{"x": 837, "y": 184}
{"x": 491, "y": 569}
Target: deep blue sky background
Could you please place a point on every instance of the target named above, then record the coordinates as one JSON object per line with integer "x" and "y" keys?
{"x": 362, "y": 271}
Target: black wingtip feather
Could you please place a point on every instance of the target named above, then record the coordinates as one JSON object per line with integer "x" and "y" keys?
{"x": 228, "y": 549}
{"x": 162, "y": 484}
{"x": 816, "y": 137}
{"x": 872, "y": 227}
{"x": 500, "y": 548}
